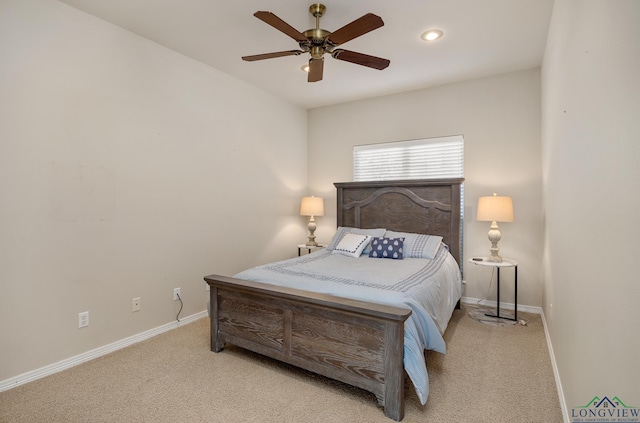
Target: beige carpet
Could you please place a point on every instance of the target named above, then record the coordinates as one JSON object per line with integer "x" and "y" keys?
{"x": 489, "y": 374}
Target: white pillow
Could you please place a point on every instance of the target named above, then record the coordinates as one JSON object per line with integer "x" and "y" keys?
{"x": 343, "y": 230}
{"x": 352, "y": 245}
{"x": 417, "y": 245}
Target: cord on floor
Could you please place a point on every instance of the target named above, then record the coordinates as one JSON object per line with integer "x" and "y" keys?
{"x": 181, "y": 304}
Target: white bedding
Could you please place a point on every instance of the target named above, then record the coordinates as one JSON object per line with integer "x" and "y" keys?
{"x": 430, "y": 288}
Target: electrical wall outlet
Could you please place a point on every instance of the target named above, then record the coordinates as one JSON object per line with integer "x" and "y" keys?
{"x": 136, "y": 304}
{"x": 83, "y": 319}
{"x": 176, "y": 294}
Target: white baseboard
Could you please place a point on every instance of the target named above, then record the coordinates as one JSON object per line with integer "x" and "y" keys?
{"x": 552, "y": 356}
{"x": 556, "y": 373}
{"x": 95, "y": 353}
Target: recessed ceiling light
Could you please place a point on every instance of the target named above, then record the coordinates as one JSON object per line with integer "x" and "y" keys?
{"x": 431, "y": 35}
{"x": 305, "y": 68}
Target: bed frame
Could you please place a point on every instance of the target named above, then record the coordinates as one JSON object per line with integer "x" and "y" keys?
{"x": 356, "y": 342}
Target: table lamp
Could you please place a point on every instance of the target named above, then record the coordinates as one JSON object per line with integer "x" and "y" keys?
{"x": 495, "y": 209}
{"x": 312, "y": 206}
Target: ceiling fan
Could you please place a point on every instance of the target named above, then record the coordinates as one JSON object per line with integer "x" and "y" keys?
{"x": 317, "y": 41}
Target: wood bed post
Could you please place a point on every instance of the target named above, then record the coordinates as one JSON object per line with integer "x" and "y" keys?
{"x": 394, "y": 373}
{"x": 216, "y": 345}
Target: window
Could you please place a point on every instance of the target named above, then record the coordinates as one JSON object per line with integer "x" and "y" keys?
{"x": 431, "y": 158}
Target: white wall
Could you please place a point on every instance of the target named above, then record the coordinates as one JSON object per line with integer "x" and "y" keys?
{"x": 127, "y": 170}
{"x": 591, "y": 145}
{"x": 499, "y": 118}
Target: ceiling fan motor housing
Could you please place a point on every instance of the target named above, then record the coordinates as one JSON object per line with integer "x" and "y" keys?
{"x": 317, "y": 37}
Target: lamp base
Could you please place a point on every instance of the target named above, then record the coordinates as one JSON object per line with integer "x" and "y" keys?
{"x": 494, "y": 237}
{"x": 312, "y": 228}
{"x": 494, "y": 257}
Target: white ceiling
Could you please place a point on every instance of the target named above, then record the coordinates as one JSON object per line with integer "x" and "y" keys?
{"x": 481, "y": 38}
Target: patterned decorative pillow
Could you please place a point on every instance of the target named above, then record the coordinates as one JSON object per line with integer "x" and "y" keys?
{"x": 387, "y": 248}
{"x": 418, "y": 245}
{"x": 343, "y": 230}
{"x": 352, "y": 245}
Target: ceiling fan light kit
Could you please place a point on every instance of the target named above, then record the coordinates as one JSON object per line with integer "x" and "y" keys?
{"x": 318, "y": 42}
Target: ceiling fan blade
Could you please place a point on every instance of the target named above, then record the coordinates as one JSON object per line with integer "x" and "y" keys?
{"x": 361, "y": 59}
{"x": 316, "y": 66}
{"x": 359, "y": 27}
{"x": 280, "y": 25}
{"x": 271, "y": 55}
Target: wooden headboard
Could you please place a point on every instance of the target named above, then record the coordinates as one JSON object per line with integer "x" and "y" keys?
{"x": 419, "y": 206}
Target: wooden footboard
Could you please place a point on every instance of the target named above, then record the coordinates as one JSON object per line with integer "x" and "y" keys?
{"x": 355, "y": 342}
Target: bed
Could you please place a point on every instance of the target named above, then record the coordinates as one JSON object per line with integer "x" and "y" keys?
{"x": 359, "y": 341}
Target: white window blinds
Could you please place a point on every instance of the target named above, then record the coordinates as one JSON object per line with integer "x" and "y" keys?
{"x": 431, "y": 158}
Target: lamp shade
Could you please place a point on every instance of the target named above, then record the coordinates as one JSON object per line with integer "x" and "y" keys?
{"x": 312, "y": 206}
{"x": 495, "y": 209}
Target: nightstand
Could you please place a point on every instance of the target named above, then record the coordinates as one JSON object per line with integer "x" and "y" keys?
{"x": 309, "y": 248}
{"x": 498, "y": 266}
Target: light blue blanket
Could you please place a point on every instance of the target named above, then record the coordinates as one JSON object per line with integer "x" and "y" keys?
{"x": 430, "y": 288}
